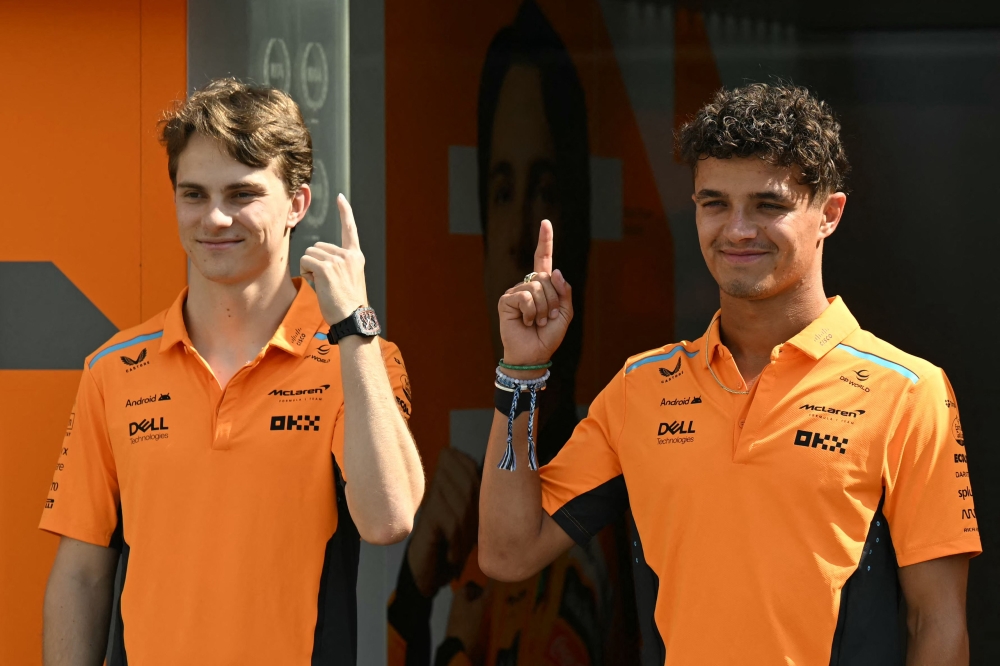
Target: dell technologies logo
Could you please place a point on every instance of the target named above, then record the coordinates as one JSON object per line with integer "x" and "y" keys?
{"x": 148, "y": 429}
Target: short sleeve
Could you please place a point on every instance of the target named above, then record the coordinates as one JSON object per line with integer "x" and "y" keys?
{"x": 583, "y": 488}
{"x": 928, "y": 489}
{"x": 400, "y": 383}
{"x": 83, "y": 498}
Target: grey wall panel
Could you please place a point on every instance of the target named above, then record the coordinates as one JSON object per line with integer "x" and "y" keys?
{"x": 46, "y": 322}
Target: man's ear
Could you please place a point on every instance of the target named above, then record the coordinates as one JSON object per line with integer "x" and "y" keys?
{"x": 300, "y": 205}
{"x": 833, "y": 209}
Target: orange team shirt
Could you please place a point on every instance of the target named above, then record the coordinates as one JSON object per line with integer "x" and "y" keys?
{"x": 228, "y": 508}
{"x": 770, "y": 526}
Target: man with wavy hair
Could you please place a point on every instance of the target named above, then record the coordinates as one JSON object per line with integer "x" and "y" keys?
{"x": 789, "y": 473}
{"x": 227, "y": 455}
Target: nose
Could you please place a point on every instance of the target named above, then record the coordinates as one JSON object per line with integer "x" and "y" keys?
{"x": 215, "y": 218}
{"x": 740, "y": 226}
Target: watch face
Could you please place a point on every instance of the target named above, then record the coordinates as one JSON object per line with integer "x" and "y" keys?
{"x": 368, "y": 322}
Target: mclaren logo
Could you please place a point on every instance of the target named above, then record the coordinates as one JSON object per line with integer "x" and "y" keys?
{"x": 290, "y": 393}
{"x": 847, "y": 413}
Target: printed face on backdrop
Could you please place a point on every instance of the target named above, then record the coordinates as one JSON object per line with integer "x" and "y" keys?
{"x": 522, "y": 186}
{"x": 233, "y": 219}
{"x": 760, "y": 230}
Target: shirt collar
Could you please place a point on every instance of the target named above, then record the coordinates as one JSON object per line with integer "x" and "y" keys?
{"x": 299, "y": 326}
{"x": 826, "y": 332}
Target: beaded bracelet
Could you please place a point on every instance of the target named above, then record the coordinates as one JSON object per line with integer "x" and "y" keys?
{"x": 516, "y": 386}
{"x": 540, "y": 366}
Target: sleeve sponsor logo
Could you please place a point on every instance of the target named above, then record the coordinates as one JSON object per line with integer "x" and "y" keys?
{"x": 956, "y": 428}
{"x": 406, "y": 387}
{"x": 69, "y": 426}
{"x": 968, "y": 514}
{"x": 50, "y": 502}
{"x": 323, "y": 350}
{"x": 960, "y": 458}
{"x": 290, "y": 422}
{"x": 965, "y": 493}
{"x": 819, "y": 440}
{"x": 403, "y": 407}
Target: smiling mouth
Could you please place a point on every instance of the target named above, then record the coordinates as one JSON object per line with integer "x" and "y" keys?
{"x": 221, "y": 244}
{"x": 742, "y": 257}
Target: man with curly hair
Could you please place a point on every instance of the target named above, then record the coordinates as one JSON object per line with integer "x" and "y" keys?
{"x": 791, "y": 475}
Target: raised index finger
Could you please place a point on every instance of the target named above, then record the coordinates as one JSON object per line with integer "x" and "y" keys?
{"x": 348, "y": 227}
{"x": 543, "y": 253}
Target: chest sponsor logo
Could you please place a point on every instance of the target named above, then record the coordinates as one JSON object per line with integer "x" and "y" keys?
{"x": 670, "y": 375}
{"x": 859, "y": 377}
{"x": 298, "y": 395}
{"x": 675, "y": 432}
{"x": 819, "y": 440}
{"x": 148, "y": 430}
{"x": 323, "y": 350}
{"x": 833, "y": 413}
{"x": 299, "y": 422}
{"x": 142, "y": 400}
{"x": 690, "y": 400}
{"x": 956, "y": 428}
{"x": 135, "y": 363}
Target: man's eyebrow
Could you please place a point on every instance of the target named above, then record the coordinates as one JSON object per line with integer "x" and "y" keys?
{"x": 771, "y": 195}
{"x": 190, "y": 186}
{"x": 709, "y": 194}
{"x": 501, "y": 169}
{"x": 243, "y": 185}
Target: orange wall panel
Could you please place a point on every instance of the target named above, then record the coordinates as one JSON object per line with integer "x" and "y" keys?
{"x": 86, "y": 185}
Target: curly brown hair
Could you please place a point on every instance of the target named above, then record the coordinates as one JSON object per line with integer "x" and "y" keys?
{"x": 783, "y": 125}
{"x": 254, "y": 124}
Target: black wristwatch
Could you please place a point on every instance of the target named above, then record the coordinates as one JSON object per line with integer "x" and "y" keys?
{"x": 361, "y": 322}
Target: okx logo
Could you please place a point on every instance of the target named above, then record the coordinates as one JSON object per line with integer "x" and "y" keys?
{"x": 815, "y": 439}
{"x": 294, "y": 422}
{"x": 148, "y": 429}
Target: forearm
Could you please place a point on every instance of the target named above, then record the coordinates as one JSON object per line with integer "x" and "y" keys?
{"x": 937, "y": 641}
{"x": 76, "y": 619}
{"x": 384, "y": 474}
{"x": 510, "y": 507}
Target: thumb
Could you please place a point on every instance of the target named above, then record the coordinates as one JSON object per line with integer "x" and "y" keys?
{"x": 565, "y": 293}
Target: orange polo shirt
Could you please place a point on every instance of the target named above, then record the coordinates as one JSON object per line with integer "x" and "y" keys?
{"x": 227, "y": 504}
{"x": 769, "y": 526}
